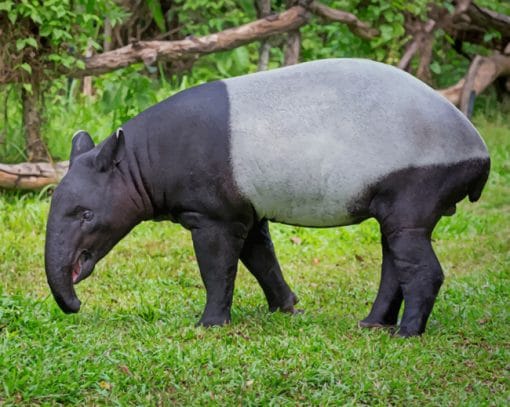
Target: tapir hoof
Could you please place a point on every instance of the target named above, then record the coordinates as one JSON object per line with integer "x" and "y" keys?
{"x": 293, "y": 311}
{"x": 366, "y": 323}
{"x": 287, "y": 305}
{"x": 208, "y": 322}
{"x": 406, "y": 333}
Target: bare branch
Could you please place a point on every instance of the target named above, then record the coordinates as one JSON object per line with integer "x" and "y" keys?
{"x": 486, "y": 18}
{"x": 461, "y": 7}
{"x": 419, "y": 39}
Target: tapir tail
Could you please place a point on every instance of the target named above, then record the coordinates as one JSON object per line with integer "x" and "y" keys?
{"x": 477, "y": 185}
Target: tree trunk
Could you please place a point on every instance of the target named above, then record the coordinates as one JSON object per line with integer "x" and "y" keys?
{"x": 292, "y": 48}
{"x": 108, "y": 33}
{"x": 87, "y": 80}
{"x": 423, "y": 71}
{"x": 293, "y": 42}
{"x": 35, "y": 147}
{"x": 264, "y": 51}
{"x": 263, "y": 10}
{"x": 5, "y": 115}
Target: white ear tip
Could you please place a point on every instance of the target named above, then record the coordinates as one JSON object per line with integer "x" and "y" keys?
{"x": 120, "y": 129}
{"x": 79, "y": 131}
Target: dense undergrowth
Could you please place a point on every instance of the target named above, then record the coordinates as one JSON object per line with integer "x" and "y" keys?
{"x": 134, "y": 342}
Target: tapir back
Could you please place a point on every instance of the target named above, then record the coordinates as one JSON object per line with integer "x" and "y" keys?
{"x": 308, "y": 141}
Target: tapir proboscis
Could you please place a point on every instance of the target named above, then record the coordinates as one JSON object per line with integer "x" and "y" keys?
{"x": 320, "y": 144}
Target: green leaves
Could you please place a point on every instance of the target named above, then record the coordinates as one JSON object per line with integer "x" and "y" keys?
{"x": 435, "y": 67}
{"x": 59, "y": 31}
{"x": 127, "y": 96}
{"x": 27, "y": 87}
{"x": 232, "y": 63}
{"x": 490, "y": 35}
{"x": 26, "y": 67}
{"x": 157, "y": 13}
{"x": 23, "y": 42}
{"x": 202, "y": 17}
{"x": 6, "y": 5}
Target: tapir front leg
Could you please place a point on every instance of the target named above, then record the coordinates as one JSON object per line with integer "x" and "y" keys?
{"x": 217, "y": 248}
{"x": 384, "y": 313}
{"x": 260, "y": 259}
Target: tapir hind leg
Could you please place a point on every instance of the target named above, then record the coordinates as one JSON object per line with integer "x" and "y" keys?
{"x": 410, "y": 270}
{"x": 419, "y": 275}
{"x": 260, "y": 259}
{"x": 408, "y": 204}
{"x": 407, "y": 209}
{"x": 384, "y": 313}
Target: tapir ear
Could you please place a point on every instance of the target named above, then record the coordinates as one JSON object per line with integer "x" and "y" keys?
{"x": 110, "y": 151}
{"x": 82, "y": 142}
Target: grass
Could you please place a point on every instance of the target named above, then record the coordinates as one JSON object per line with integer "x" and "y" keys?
{"x": 134, "y": 342}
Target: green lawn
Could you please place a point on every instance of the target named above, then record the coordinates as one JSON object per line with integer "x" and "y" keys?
{"x": 134, "y": 341}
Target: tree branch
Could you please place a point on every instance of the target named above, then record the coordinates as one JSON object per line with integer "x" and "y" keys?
{"x": 419, "y": 39}
{"x": 422, "y": 33}
{"x": 473, "y": 22}
{"x": 485, "y": 18}
{"x": 151, "y": 51}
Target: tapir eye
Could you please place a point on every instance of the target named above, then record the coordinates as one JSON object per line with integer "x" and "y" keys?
{"x": 87, "y": 216}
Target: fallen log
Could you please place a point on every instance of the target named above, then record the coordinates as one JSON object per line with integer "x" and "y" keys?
{"x": 452, "y": 93}
{"x": 31, "y": 176}
{"x": 482, "y": 73}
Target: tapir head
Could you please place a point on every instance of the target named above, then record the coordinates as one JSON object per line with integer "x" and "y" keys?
{"x": 90, "y": 212}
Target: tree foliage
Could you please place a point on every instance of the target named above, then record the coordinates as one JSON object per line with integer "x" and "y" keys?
{"x": 42, "y": 37}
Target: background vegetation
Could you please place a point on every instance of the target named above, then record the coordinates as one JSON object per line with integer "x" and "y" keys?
{"x": 134, "y": 342}
{"x": 42, "y": 45}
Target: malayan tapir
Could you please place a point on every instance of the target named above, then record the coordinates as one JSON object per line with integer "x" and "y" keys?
{"x": 320, "y": 144}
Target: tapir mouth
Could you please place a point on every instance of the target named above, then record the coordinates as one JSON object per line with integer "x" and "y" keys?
{"x": 82, "y": 267}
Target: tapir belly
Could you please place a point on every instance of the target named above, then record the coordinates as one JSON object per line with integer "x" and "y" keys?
{"x": 308, "y": 142}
